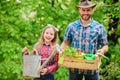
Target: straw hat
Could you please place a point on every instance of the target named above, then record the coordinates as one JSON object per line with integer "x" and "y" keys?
{"x": 86, "y": 4}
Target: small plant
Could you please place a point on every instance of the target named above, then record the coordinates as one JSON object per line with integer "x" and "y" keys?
{"x": 70, "y": 51}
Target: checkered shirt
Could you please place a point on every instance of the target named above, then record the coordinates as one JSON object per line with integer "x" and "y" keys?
{"x": 87, "y": 38}
{"x": 45, "y": 52}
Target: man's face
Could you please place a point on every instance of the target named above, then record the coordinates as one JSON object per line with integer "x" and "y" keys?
{"x": 85, "y": 13}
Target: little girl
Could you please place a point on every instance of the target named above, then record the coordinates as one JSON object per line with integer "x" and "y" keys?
{"x": 44, "y": 47}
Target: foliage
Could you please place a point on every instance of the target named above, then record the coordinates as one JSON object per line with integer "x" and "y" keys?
{"x": 70, "y": 51}
{"x": 111, "y": 69}
{"x": 22, "y": 21}
{"x": 61, "y": 74}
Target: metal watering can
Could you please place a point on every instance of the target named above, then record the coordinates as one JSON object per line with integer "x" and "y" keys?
{"x": 32, "y": 64}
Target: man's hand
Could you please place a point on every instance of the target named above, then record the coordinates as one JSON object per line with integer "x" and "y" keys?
{"x": 61, "y": 51}
{"x": 100, "y": 51}
{"x": 103, "y": 50}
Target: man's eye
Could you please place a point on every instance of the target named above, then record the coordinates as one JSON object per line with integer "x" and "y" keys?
{"x": 83, "y": 10}
{"x": 88, "y": 10}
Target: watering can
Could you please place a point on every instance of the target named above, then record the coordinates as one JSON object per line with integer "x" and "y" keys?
{"x": 32, "y": 64}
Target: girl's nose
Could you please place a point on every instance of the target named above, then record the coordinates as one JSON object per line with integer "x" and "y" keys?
{"x": 48, "y": 35}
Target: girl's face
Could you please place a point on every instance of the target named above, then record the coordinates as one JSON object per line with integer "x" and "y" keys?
{"x": 48, "y": 35}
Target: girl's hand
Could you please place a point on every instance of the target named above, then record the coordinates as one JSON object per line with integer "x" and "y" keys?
{"x": 43, "y": 71}
{"x": 34, "y": 51}
{"x": 25, "y": 50}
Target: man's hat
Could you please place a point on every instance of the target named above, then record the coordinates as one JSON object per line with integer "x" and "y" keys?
{"x": 86, "y": 4}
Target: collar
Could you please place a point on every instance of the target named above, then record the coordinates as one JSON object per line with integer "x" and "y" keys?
{"x": 48, "y": 44}
{"x": 87, "y": 24}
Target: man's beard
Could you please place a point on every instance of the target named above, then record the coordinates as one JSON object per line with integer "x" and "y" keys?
{"x": 86, "y": 18}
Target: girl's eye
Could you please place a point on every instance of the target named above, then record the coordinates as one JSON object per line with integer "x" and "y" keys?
{"x": 46, "y": 32}
{"x": 51, "y": 33}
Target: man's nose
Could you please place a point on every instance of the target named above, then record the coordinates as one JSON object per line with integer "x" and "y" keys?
{"x": 85, "y": 12}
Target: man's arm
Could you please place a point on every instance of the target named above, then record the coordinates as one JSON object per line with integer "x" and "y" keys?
{"x": 63, "y": 45}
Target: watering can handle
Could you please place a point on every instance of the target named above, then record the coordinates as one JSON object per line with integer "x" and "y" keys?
{"x": 21, "y": 58}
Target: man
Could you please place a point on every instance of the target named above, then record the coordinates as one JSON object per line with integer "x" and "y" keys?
{"x": 87, "y": 35}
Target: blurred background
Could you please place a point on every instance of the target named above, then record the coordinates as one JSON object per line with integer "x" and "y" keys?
{"x": 22, "y": 21}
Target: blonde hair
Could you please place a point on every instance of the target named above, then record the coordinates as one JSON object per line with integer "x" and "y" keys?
{"x": 40, "y": 43}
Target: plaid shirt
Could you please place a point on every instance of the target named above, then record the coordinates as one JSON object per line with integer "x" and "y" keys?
{"x": 87, "y": 38}
{"x": 45, "y": 52}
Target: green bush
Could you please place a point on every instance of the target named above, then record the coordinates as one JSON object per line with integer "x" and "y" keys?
{"x": 22, "y": 21}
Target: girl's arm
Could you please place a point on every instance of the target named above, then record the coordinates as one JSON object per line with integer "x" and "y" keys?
{"x": 53, "y": 67}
